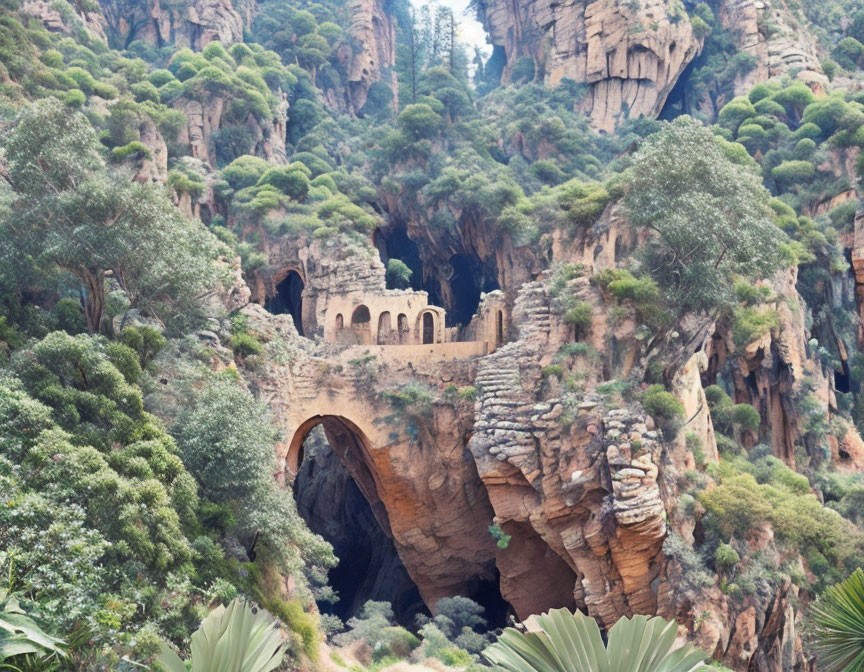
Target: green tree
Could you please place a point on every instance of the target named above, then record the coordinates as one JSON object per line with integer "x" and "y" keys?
{"x": 398, "y": 274}
{"x": 709, "y": 215}
{"x": 70, "y": 213}
{"x": 228, "y": 443}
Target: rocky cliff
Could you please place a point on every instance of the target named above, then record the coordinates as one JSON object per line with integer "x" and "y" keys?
{"x": 770, "y": 33}
{"x": 630, "y": 54}
{"x": 369, "y": 56}
{"x": 192, "y": 24}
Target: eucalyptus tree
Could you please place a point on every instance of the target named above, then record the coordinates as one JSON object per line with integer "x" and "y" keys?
{"x": 702, "y": 200}
{"x": 68, "y": 213}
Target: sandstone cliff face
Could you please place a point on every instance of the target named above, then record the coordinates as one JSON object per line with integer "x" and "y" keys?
{"x": 55, "y": 22}
{"x": 204, "y": 116}
{"x": 191, "y": 24}
{"x": 630, "y": 54}
{"x": 370, "y": 54}
{"x": 586, "y": 485}
{"x": 768, "y": 31}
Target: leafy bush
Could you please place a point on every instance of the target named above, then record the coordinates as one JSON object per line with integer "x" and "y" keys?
{"x": 245, "y": 345}
{"x": 398, "y": 274}
{"x": 746, "y": 417}
{"x": 752, "y": 323}
{"x": 664, "y": 407}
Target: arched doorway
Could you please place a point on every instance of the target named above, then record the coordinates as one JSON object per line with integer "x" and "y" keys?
{"x": 338, "y": 498}
{"x": 361, "y": 324}
{"x": 402, "y": 326}
{"x": 340, "y": 322}
{"x": 288, "y": 299}
{"x": 428, "y": 328}
{"x": 384, "y": 329}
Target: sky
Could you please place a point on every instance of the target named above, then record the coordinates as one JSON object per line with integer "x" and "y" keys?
{"x": 470, "y": 30}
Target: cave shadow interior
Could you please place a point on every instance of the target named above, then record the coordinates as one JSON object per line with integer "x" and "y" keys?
{"x": 288, "y": 299}
{"x": 333, "y": 506}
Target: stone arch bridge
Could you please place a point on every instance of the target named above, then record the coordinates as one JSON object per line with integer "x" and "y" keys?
{"x": 583, "y": 511}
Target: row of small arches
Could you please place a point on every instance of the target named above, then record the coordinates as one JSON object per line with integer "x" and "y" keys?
{"x": 361, "y": 321}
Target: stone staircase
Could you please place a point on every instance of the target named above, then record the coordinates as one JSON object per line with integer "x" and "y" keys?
{"x": 508, "y": 420}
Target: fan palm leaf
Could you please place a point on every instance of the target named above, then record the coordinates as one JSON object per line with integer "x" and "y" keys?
{"x": 572, "y": 642}
{"x": 232, "y": 639}
{"x": 838, "y": 623}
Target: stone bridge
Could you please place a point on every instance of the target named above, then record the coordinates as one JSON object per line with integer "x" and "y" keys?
{"x": 581, "y": 504}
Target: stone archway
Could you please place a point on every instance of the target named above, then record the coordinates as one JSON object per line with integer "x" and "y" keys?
{"x": 353, "y": 450}
{"x": 361, "y": 325}
{"x": 337, "y": 495}
{"x": 385, "y": 329}
{"x": 428, "y": 500}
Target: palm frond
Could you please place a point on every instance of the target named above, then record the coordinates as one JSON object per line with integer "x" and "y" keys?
{"x": 571, "y": 642}
{"x": 838, "y": 621}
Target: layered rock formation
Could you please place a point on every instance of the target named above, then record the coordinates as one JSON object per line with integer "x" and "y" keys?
{"x": 369, "y": 56}
{"x": 204, "y": 116}
{"x": 769, "y": 32}
{"x": 193, "y": 24}
{"x": 56, "y": 22}
{"x": 630, "y": 54}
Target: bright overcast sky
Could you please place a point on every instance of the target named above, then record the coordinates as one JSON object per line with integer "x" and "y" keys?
{"x": 470, "y": 30}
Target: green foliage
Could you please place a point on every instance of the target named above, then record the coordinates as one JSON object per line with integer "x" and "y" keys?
{"x": 709, "y": 216}
{"x": 502, "y": 539}
{"x": 71, "y": 214}
{"x": 849, "y": 53}
{"x": 745, "y": 417}
{"x": 245, "y": 344}
{"x": 790, "y": 173}
{"x": 749, "y": 324}
{"x": 293, "y": 180}
{"x": 232, "y": 639}
{"x": 580, "y": 316}
{"x": 92, "y": 400}
{"x": 767, "y": 491}
{"x": 21, "y": 637}
{"x": 398, "y": 274}
{"x": 227, "y": 442}
{"x": 726, "y": 557}
{"x": 568, "y": 642}
{"x": 419, "y": 121}
{"x": 664, "y": 407}
{"x": 838, "y": 625}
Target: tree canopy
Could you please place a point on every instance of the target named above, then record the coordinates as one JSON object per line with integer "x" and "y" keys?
{"x": 706, "y": 211}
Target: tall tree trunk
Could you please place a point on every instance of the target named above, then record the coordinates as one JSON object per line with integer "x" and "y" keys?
{"x": 94, "y": 302}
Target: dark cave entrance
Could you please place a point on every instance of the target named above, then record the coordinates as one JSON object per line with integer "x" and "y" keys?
{"x": 457, "y": 288}
{"x": 470, "y": 278}
{"x": 288, "y": 299}
{"x": 333, "y": 506}
{"x": 394, "y": 243}
{"x": 487, "y": 593}
{"x": 346, "y": 510}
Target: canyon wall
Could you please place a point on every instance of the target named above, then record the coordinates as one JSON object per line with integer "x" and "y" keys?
{"x": 630, "y": 54}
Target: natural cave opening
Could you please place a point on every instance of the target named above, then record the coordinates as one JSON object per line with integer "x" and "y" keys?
{"x": 288, "y": 299}
{"x": 677, "y": 102}
{"x": 487, "y": 593}
{"x": 470, "y": 278}
{"x": 394, "y": 243}
{"x": 333, "y": 506}
{"x": 457, "y": 289}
